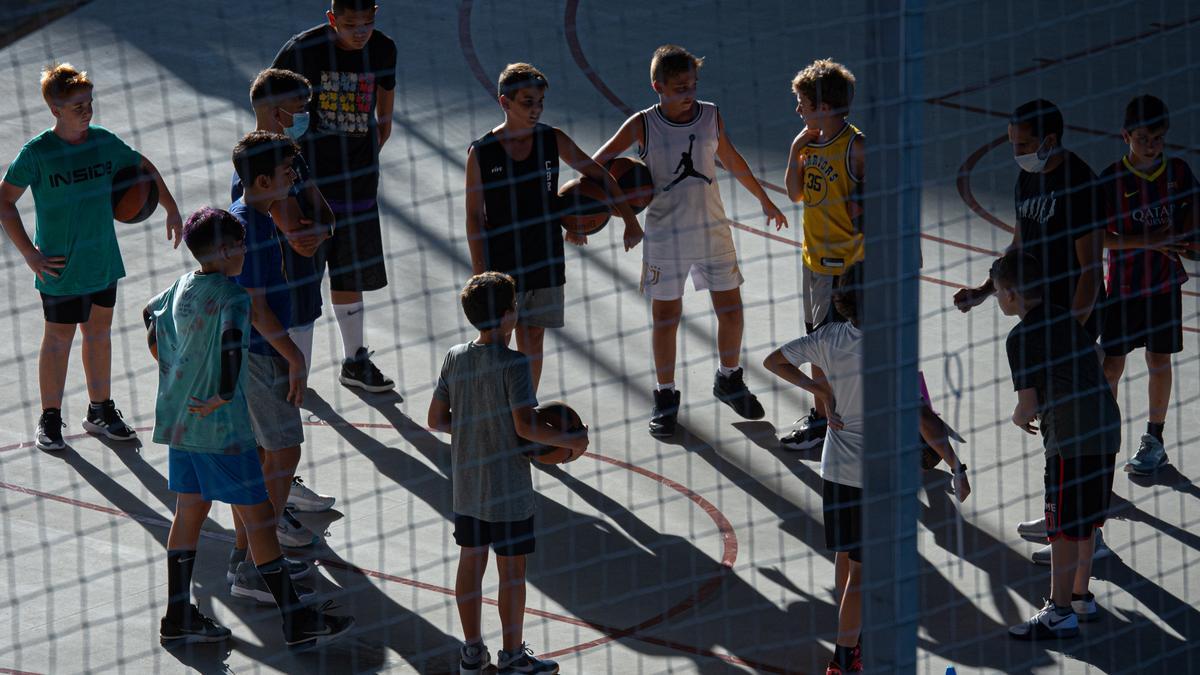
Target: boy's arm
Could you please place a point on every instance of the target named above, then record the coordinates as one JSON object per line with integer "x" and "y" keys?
{"x": 268, "y": 325}
{"x": 581, "y": 162}
{"x": 385, "y": 100}
{"x": 736, "y": 164}
{"x": 779, "y": 364}
{"x": 1090, "y": 250}
{"x": 632, "y": 131}
{"x": 10, "y": 218}
{"x": 1026, "y": 411}
{"x": 532, "y": 427}
{"x": 933, "y": 431}
{"x": 151, "y": 332}
{"x": 439, "y": 415}
{"x": 299, "y": 231}
{"x": 476, "y": 214}
{"x": 165, "y": 200}
{"x": 231, "y": 368}
{"x": 793, "y": 177}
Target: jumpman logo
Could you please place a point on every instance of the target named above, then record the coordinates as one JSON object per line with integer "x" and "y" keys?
{"x": 689, "y": 169}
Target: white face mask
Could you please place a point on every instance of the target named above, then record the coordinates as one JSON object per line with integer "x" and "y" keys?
{"x": 1035, "y": 161}
{"x": 299, "y": 125}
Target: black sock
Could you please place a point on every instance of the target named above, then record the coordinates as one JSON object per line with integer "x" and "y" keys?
{"x": 179, "y": 582}
{"x": 1085, "y": 596}
{"x": 1155, "y": 429}
{"x": 843, "y": 655}
{"x": 276, "y": 577}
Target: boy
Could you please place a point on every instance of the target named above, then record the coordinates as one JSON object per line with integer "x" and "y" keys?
{"x": 353, "y": 67}
{"x": 74, "y": 252}
{"x": 275, "y": 373}
{"x": 836, "y": 348}
{"x": 687, "y": 232}
{"x": 197, "y": 331}
{"x": 1151, "y": 207}
{"x": 280, "y": 101}
{"x": 512, "y": 197}
{"x": 484, "y": 399}
{"x": 1060, "y": 385}
{"x": 825, "y": 170}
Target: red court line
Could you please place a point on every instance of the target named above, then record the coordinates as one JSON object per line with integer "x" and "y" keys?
{"x": 10, "y": 671}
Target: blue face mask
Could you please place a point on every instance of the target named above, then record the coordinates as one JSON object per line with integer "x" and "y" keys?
{"x": 299, "y": 126}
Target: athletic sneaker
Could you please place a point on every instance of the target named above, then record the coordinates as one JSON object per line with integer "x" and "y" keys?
{"x": 1085, "y": 607}
{"x": 194, "y": 627}
{"x": 807, "y": 433}
{"x": 49, "y": 430}
{"x": 731, "y": 390}
{"x": 522, "y": 661}
{"x": 361, "y": 372}
{"x": 1050, "y": 623}
{"x": 292, "y": 533}
{"x": 666, "y": 410}
{"x": 856, "y": 664}
{"x": 1149, "y": 457}
{"x": 103, "y": 419}
{"x": 302, "y": 498}
{"x": 249, "y": 584}
{"x": 474, "y": 659}
{"x": 1033, "y": 530}
{"x": 1102, "y": 551}
{"x": 297, "y": 569}
{"x": 309, "y": 627}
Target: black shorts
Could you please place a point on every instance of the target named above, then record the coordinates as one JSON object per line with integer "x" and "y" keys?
{"x": 1154, "y": 322}
{"x": 506, "y": 538}
{"x": 354, "y": 254}
{"x": 74, "y": 309}
{"x": 843, "y": 518}
{"x": 1078, "y": 492}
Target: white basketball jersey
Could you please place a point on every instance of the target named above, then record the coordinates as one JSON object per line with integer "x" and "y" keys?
{"x": 686, "y": 220}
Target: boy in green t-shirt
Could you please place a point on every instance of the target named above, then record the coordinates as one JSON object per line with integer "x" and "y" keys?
{"x": 74, "y": 251}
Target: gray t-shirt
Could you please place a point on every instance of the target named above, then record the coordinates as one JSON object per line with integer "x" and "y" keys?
{"x": 483, "y": 385}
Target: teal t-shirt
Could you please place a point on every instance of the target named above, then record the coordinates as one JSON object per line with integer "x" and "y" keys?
{"x": 72, "y": 195}
{"x": 189, "y": 318}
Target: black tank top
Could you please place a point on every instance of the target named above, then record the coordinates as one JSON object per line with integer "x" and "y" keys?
{"x": 523, "y": 234}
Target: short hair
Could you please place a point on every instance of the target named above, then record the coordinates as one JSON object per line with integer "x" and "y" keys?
{"x": 847, "y": 295}
{"x": 671, "y": 60}
{"x": 1020, "y": 271}
{"x": 1148, "y": 112}
{"x": 61, "y": 80}
{"x": 209, "y": 228}
{"x": 518, "y": 76}
{"x": 339, "y": 7}
{"x": 826, "y": 81}
{"x": 1041, "y": 116}
{"x": 259, "y": 153}
{"x": 486, "y": 298}
{"x": 276, "y": 85}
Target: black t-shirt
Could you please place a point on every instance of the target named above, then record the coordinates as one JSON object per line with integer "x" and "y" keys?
{"x": 1054, "y": 210}
{"x": 1050, "y": 352}
{"x": 341, "y": 141}
{"x": 523, "y": 230}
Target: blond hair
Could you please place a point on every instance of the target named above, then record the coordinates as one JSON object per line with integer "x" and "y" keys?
{"x": 671, "y": 60}
{"x": 61, "y": 80}
{"x": 826, "y": 81}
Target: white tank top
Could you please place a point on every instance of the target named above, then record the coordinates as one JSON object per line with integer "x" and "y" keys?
{"x": 686, "y": 220}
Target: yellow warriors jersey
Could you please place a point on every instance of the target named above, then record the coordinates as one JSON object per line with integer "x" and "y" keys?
{"x": 832, "y": 240}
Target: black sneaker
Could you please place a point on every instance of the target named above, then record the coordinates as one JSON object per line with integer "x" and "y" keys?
{"x": 194, "y": 627}
{"x": 103, "y": 419}
{"x": 731, "y": 390}
{"x": 297, "y": 569}
{"x": 248, "y": 584}
{"x": 808, "y": 433}
{"x": 309, "y": 627}
{"x": 360, "y": 372}
{"x": 666, "y": 409}
{"x": 49, "y": 430}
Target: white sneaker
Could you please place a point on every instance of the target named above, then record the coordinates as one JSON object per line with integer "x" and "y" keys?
{"x": 1102, "y": 551}
{"x": 474, "y": 659}
{"x": 292, "y": 533}
{"x": 1033, "y": 530}
{"x": 1047, "y": 624}
{"x": 303, "y": 499}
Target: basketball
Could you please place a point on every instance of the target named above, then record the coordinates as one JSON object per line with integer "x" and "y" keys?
{"x": 583, "y": 207}
{"x": 560, "y": 417}
{"x": 134, "y": 195}
{"x": 634, "y": 178}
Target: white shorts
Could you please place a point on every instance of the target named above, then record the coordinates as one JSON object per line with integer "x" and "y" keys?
{"x": 665, "y": 279}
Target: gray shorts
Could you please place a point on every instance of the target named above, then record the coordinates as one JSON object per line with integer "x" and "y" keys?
{"x": 276, "y": 423}
{"x": 541, "y": 307}
{"x": 818, "y": 297}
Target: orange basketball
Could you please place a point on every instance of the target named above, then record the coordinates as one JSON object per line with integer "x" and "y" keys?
{"x": 560, "y": 417}
{"x": 634, "y": 178}
{"x": 134, "y": 195}
{"x": 583, "y": 207}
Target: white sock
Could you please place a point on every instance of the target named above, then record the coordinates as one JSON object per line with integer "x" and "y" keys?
{"x": 303, "y": 337}
{"x": 670, "y": 386}
{"x": 726, "y": 372}
{"x": 350, "y": 323}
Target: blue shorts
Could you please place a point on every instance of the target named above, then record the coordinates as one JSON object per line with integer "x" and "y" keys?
{"x": 233, "y": 479}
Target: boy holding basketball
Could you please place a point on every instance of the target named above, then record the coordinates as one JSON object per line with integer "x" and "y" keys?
{"x": 198, "y": 331}
{"x": 1151, "y": 200}
{"x": 825, "y": 170}
{"x": 484, "y": 399}
{"x": 74, "y": 252}
{"x": 687, "y": 231}
{"x": 512, "y": 206}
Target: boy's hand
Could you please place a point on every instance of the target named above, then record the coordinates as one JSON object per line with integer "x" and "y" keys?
{"x": 297, "y": 381}
{"x": 1165, "y": 240}
{"x": 633, "y": 234}
{"x": 202, "y": 408}
{"x": 962, "y": 486}
{"x": 1025, "y": 421}
{"x": 772, "y": 212}
{"x": 308, "y": 239}
{"x": 579, "y": 443}
{"x": 833, "y": 419}
{"x": 175, "y": 227}
{"x": 806, "y": 136}
{"x": 575, "y": 239}
{"x": 43, "y": 264}
{"x": 968, "y": 298}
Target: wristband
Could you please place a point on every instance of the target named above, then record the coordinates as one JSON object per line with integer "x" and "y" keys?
{"x": 962, "y": 469}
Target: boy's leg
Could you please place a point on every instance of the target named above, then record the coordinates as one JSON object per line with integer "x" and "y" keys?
{"x": 348, "y": 309}
{"x": 279, "y": 468}
{"x": 530, "y": 340}
{"x": 1064, "y": 565}
{"x": 512, "y": 600}
{"x": 53, "y": 359}
{"x": 850, "y": 607}
{"x": 259, "y": 523}
{"x": 730, "y": 326}
{"x": 468, "y": 590}
{"x": 190, "y": 511}
{"x": 1159, "y": 366}
{"x": 1083, "y": 566}
{"x": 97, "y": 353}
{"x": 841, "y": 572}
{"x": 666, "y": 315}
